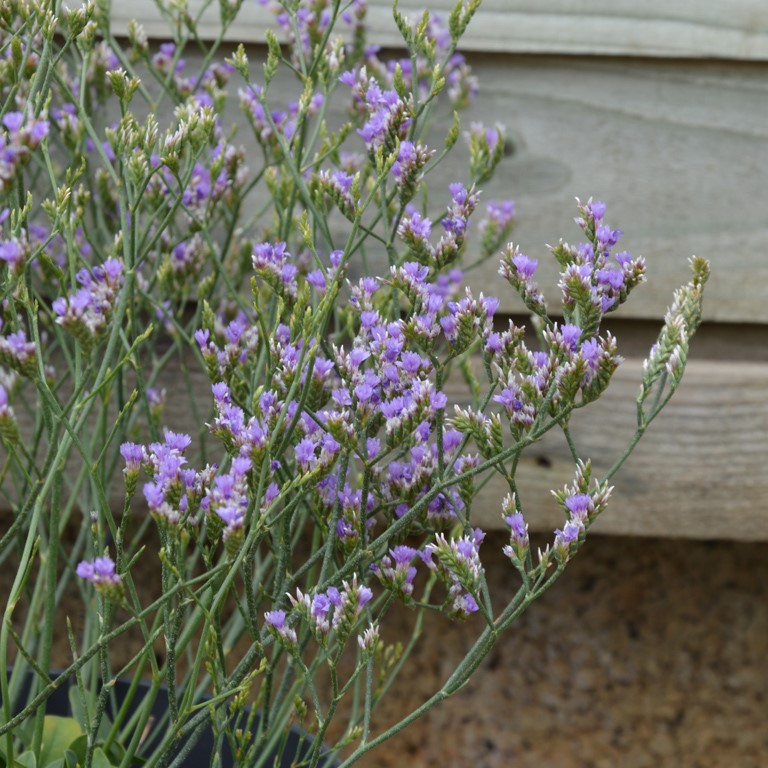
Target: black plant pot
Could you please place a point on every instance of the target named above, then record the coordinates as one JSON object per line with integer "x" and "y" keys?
{"x": 297, "y": 746}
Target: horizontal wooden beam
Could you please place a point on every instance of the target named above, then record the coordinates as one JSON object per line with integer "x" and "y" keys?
{"x": 727, "y": 30}
{"x": 698, "y": 473}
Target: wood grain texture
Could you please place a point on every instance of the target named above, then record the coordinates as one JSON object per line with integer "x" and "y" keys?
{"x": 679, "y": 152}
{"x": 698, "y": 473}
{"x": 730, "y": 29}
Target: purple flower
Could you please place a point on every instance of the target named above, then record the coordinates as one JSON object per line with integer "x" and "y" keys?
{"x": 579, "y": 506}
{"x": 524, "y": 265}
{"x": 275, "y": 619}
{"x": 100, "y": 572}
{"x": 305, "y": 453}
{"x": 133, "y": 455}
{"x": 565, "y": 537}
{"x": 607, "y": 236}
{"x": 321, "y": 605}
{"x": 467, "y": 604}
{"x": 11, "y": 252}
{"x": 364, "y": 595}
{"x": 611, "y": 277}
{"x": 571, "y": 334}
{"x": 517, "y": 524}
{"x": 597, "y": 209}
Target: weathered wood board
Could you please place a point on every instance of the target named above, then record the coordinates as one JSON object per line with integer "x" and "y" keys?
{"x": 678, "y": 150}
{"x": 732, "y": 29}
{"x": 698, "y": 473}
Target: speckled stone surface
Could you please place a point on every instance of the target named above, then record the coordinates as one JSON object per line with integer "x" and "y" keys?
{"x": 645, "y": 653}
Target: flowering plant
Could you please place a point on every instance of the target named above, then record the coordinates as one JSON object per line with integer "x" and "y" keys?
{"x": 323, "y": 475}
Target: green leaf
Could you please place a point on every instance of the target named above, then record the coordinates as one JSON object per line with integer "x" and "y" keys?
{"x": 76, "y": 705}
{"x": 79, "y": 748}
{"x": 26, "y": 760}
{"x": 58, "y": 734}
{"x": 100, "y": 760}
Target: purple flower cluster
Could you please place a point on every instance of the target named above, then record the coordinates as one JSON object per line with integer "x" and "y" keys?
{"x": 387, "y": 116}
{"x": 276, "y": 624}
{"x": 244, "y": 437}
{"x": 518, "y": 270}
{"x": 202, "y": 88}
{"x": 227, "y": 497}
{"x": 581, "y": 507}
{"x": 214, "y": 181}
{"x": 175, "y": 490}
{"x": 411, "y": 159}
{"x": 458, "y": 566}
{"x": 228, "y": 346}
{"x": 86, "y": 312}
{"x": 18, "y": 353}
{"x": 396, "y": 571}
{"x": 519, "y": 544}
{"x": 593, "y": 280}
{"x": 273, "y": 264}
{"x": 468, "y": 319}
{"x": 334, "y": 610}
{"x": 461, "y": 83}
{"x": 22, "y": 134}
{"x": 414, "y": 230}
{"x": 308, "y": 27}
{"x": 101, "y": 572}
{"x": 338, "y": 186}
{"x": 15, "y": 251}
{"x": 282, "y": 121}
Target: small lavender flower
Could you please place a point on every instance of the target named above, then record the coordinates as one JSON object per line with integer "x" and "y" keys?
{"x": 459, "y": 561}
{"x": 9, "y": 430}
{"x": 411, "y": 159}
{"x": 102, "y": 574}
{"x": 519, "y": 544}
{"x": 86, "y": 312}
{"x": 133, "y": 454}
{"x": 396, "y": 572}
{"x": 565, "y": 538}
{"x": 278, "y": 627}
{"x": 271, "y": 263}
{"x": 18, "y": 353}
{"x": 339, "y": 187}
{"x": 518, "y": 269}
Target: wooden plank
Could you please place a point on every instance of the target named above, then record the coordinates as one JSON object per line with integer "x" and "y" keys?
{"x": 678, "y": 151}
{"x": 730, "y": 29}
{"x": 699, "y": 472}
